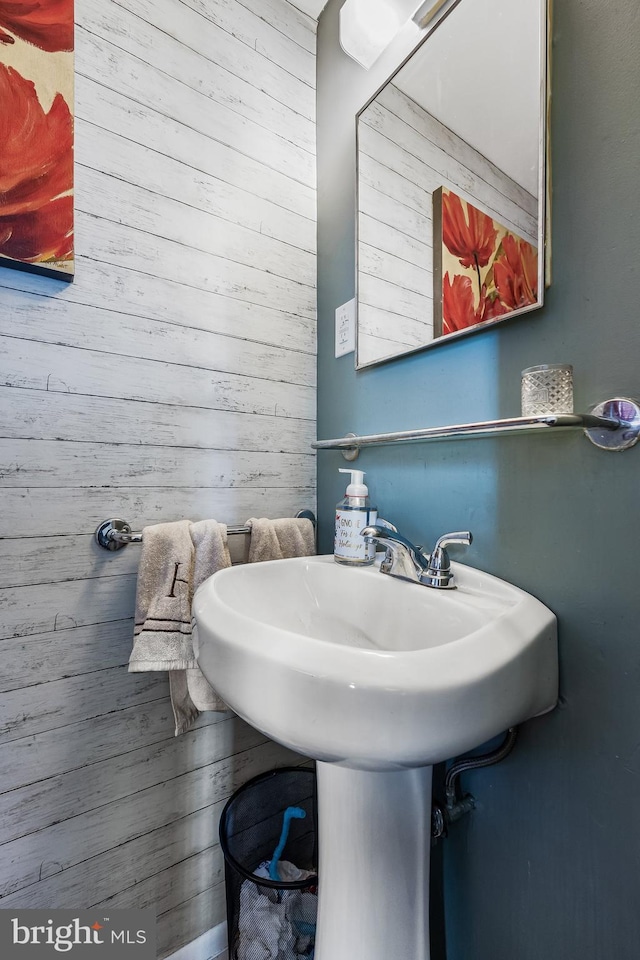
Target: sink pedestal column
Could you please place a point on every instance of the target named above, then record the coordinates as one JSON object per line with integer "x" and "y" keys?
{"x": 375, "y": 839}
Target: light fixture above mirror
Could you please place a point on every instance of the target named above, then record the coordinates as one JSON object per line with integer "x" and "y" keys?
{"x": 452, "y": 180}
{"x": 367, "y": 27}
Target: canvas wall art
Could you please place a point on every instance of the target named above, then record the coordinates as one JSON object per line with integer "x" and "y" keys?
{"x": 36, "y": 136}
{"x": 482, "y": 271}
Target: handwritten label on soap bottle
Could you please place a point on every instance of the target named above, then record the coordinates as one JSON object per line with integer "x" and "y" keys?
{"x": 349, "y": 544}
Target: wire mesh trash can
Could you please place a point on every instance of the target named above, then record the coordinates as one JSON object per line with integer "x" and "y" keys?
{"x": 268, "y": 835}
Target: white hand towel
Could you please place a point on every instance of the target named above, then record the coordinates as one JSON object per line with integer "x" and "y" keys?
{"x": 162, "y": 631}
{"x": 280, "y": 539}
{"x": 173, "y": 556}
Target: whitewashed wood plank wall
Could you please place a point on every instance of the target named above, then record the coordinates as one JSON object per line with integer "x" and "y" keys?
{"x": 174, "y": 378}
{"x": 404, "y": 154}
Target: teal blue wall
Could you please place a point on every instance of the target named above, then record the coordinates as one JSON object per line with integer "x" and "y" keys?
{"x": 549, "y": 864}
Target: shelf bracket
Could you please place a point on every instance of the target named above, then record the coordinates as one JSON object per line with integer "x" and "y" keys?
{"x": 627, "y": 413}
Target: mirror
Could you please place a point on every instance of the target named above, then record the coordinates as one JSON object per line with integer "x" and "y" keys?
{"x": 452, "y": 182}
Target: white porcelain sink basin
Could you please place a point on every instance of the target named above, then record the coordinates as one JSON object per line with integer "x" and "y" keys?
{"x": 347, "y": 665}
{"x": 377, "y": 679}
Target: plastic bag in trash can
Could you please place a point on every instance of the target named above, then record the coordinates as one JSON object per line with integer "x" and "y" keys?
{"x": 276, "y": 924}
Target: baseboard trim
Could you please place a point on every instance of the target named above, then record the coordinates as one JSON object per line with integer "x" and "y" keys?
{"x": 211, "y": 944}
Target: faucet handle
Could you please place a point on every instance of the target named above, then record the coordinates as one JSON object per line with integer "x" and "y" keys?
{"x": 439, "y": 571}
{"x": 463, "y": 537}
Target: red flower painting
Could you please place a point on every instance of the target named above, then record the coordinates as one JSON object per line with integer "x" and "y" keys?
{"x": 483, "y": 271}
{"x": 36, "y": 173}
{"x": 47, "y": 24}
{"x": 36, "y": 136}
{"x": 467, "y": 233}
{"x": 458, "y": 306}
{"x": 515, "y": 273}
{"x": 459, "y": 309}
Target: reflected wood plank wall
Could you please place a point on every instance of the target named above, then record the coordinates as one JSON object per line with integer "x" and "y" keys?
{"x": 175, "y": 377}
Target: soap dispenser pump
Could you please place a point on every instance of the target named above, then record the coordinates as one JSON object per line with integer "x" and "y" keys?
{"x": 353, "y": 514}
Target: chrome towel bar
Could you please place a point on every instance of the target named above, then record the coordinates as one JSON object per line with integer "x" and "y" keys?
{"x": 114, "y": 534}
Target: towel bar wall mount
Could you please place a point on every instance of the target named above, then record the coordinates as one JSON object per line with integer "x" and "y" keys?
{"x": 114, "y": 534}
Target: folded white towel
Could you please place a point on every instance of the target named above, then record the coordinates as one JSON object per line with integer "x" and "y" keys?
{"x": 280, "y": 539}
{"x": 176, "y": 558}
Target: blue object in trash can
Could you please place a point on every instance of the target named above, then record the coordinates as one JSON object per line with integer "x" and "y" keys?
{"x": 291, "y": 813}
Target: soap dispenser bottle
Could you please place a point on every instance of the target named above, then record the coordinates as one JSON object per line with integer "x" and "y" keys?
{"x": 353, "y": 514}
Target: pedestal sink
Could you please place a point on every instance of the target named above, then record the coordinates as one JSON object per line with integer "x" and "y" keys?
{"x": 377, "y": 679}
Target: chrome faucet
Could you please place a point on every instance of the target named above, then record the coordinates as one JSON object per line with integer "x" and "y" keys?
{"x": 408, "y": 562}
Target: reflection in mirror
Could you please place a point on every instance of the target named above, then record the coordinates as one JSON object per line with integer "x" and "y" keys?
{"x": 451, "y": 182}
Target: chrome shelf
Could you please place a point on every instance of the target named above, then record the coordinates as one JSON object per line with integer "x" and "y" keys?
{"x": 611, "y": 425}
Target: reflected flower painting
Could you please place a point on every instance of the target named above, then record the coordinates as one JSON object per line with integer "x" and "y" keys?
{"x": 482, "y": 270}
{"x": 36, "y": 136}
